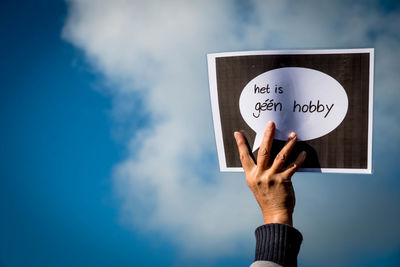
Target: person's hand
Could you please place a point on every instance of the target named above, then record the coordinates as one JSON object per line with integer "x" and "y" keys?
{"x": 271, "y": 186}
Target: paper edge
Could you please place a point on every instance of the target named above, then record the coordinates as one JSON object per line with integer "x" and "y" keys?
{"x": 314, "y": 170}
{"x": 291, "y": 52}
{"x": 212, "y": 77}
{"x": 370, "y": 106}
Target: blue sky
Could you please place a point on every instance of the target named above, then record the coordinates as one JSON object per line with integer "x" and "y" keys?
{"x": 101, "y": 164}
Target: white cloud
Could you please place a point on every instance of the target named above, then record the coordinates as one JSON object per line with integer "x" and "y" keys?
{"x": 157, "y": 50}
{"x": 161, "y": 49}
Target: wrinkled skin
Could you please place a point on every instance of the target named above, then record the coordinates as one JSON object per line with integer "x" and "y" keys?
{"x": 272, "y": 187}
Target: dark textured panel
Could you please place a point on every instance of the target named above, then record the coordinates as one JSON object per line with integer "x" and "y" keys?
{"x": 344, "y": 147}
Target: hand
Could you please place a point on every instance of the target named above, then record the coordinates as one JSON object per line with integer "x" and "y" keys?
{"x": 271, "y": 186}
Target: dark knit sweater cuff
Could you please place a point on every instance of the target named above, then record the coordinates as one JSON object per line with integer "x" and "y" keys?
{"x": 279, "y": 243}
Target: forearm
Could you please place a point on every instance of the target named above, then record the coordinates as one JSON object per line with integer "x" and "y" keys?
{"x": 277, "y": 241}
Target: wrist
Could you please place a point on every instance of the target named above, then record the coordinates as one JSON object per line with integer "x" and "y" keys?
{"x": 278, "y": 218}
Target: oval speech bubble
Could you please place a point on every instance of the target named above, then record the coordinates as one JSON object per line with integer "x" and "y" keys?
{"x": 301, "y": 100}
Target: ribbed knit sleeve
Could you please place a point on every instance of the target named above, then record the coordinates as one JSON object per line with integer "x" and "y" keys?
{"x": 279, "y": 243}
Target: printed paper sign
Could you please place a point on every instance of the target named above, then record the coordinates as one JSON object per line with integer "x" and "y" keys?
{"x": 325, "y": 96}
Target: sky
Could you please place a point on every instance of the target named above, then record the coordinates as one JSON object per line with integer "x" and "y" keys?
{"x": 108, "y": 154}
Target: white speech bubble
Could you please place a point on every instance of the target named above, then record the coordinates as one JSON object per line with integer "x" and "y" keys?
{"x": 301, "y": 100}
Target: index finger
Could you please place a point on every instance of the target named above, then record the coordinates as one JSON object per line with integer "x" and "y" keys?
{"x": 245, "y": 158}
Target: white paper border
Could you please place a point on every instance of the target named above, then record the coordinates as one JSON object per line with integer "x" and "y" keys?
{"x": 212, "y": 76}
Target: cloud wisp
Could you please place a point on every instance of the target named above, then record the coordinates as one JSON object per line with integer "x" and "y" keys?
{"x": 157, "y": 51}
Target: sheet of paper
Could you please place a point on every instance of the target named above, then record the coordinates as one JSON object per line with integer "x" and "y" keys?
{"x": 325, "y": 96}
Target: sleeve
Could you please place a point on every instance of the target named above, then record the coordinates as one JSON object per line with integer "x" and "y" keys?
{"x": 265, "y": 264}
{"x": 277, "y": 243}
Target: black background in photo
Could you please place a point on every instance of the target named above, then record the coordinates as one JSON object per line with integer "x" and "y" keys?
{"x": 344, "y": 147}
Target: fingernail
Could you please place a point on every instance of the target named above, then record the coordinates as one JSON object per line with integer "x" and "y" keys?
{"x": 270, "y": 124}
{"x": 292, "y": 135}
{"x": 235, "y": 134}
{"x": 303, "y": 155}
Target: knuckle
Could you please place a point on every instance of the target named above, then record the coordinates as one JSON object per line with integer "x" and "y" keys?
{"x": 269, "y": 177}
{"x": 263, "y": 152}
{"x": 243, "y": 156}
{"x": 282, "y": 156}
{"x": 284, "y": 179}
{"x": 240, "y": 141}
{"x": 252, "y": 183}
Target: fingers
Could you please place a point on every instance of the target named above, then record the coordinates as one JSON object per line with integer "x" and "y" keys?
{"x": 284, "y": 154}
{"x": 264, "y": 152}
{"x": 245, "y": 158}
{"x": 292, "y": 168}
